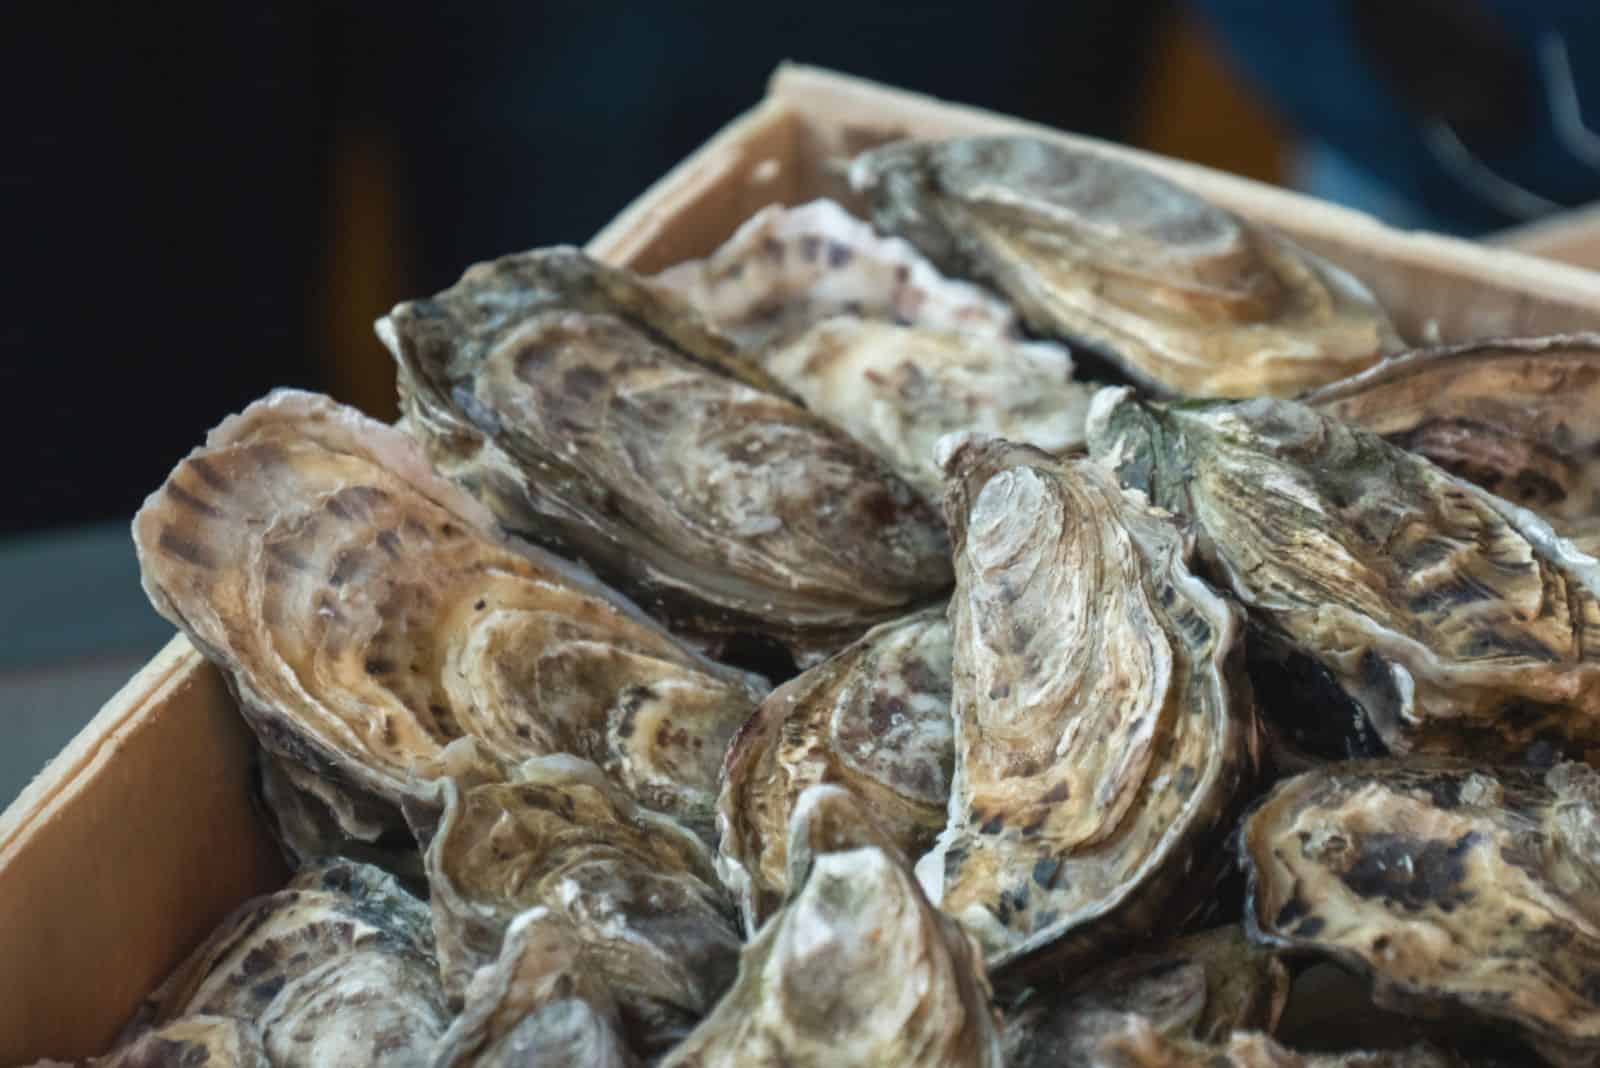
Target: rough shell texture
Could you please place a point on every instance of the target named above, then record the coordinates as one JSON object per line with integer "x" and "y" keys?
{"x": 337, "y": 968}
{"x": 858, "y": 969}
{"x": 1136, "y": 1044}
{"x": 1103, "y": 726}
{"x": 1518, "y": 416}
{"x": 787, "y": 269}
{"x": 874, "y": 718}
{"x": 1203, "y": 986}
{"x": 366, "y": 617}
{"x": 1454, "y": 621}
{"x": 1186, "y": 297}
{"x": 313, "y": 818}
{"x": 541, "y": 1005}
{"x": 212, "y": 1041}
{"x": 537, "y": 383}
{"x": 639, "y": 892}
{"x": 1454, "y": 886}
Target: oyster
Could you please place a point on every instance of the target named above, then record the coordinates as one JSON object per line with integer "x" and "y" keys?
{"x": 337, "y": 968}
{"x": 1185, "y": 297}
{"x": 1103, "y": 728}
{"x": 1203, "y": 986}
{"x": 214, "y": 1041}
{"x": 787, "y": 269}
{"x": 594, "y": 413}
{"x": 857, "y": 969}
{"x": 540, "y": 1004}
{"x": 314, "y": 818}
{"x": 1451, "y": 620}
{"x": 367, "y": 617}
{"x": 639, "y": 892}
{"x": 1518, "y": 416}
{"x": 1133, "y": 1043}
{"x": 1455, "y": 886}
{"x": 874, "y": 718}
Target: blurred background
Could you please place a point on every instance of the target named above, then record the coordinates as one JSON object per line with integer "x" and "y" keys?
{"x": 206, "y": 201}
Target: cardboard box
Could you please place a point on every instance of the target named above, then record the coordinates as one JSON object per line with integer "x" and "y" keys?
{"x": 141, "y": 835}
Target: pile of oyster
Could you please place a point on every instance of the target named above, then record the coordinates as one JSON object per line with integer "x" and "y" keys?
{"x": 1056, "y": 623}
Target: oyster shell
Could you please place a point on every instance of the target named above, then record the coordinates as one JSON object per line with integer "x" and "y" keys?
{"x": 1453, "y": 621}
{"x": 857, "y": 969}
{"x": 213, "y": 1041}
{"x": 313, "y": 818}
{"x": 367, "y": 617}
{"x": 337, "y": 968}
{"x": 786, "y": 269}
{"x": 1203, "y": 986}
{"x": 540, "y": 1004}
{"x": 1185, "y": 297}
{"x": 1133, "y": 1042}
{"x": 1455, "y": 886}
{"x": 639, "y": 892}
{"x": 1518, "y": 416}
{"x": 594, "y": 413}
{"x": 1103, "y": 728}
{"x": 874, "y": 718}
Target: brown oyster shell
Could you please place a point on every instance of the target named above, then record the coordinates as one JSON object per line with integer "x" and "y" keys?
{"x": 1103, "y": 727}
{"x": 336, "y": 968}
{"x": 875, "y": 719}
{"x": 540, "y": 1005}
{"x": 564, "y": 394}
{"x": 1454, "y": 886}
{"x": 1134, "y": 1043}
{"x": 213, "y": 1041}
{"x": 1518, "y": 416}
{"x": 367, "y": 616}
{"x": 313, "y": 818}
{"x": 639, "y": 892}
{"x": 858, "y": 969}
{"x": 1185, "y": 297}
{"x": 1453, "y": 621}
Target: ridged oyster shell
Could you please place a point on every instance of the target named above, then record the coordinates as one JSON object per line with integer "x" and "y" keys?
{"x": 856, "y": 970}
{"x": 572, "y": 400}
{"x": 867, "y": 333}
{"x": 1185, "y": 297}
{"x": 540, "y": 1005}
{"x": 313, "y": 818}
{"x": 1453, "y": 885}
{"x": 639, "y": 893}
{"x": 212, "y": 1041}
{"x": 874, "y": 718}
{"x": 1134, "y": 1043}
{"x": 367, "y": 616}
{"x": 1454, "y": 621}
{"x": 336, "y": 968}
{"x": 1518, "y": 416}
{"x": 1103, "y": 727}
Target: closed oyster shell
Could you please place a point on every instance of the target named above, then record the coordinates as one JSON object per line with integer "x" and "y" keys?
{"x": 313, "y": 818}
{"x": 561, "y": 393}
{"x": 1185, "y": 297}
{"x": 540, "y": 1005}
{"x": 858, "y": 969}
{"x": 1518, "y": 416}
{"x": 874, "y": 718}
{"x": 367, "y": 616}
{"x": 336, "y": 968}
{"x": 1103, "y": 727}
{"x": 1136, "y": 1044}
{"x": 1453, "y": 621}
{"x": 213, "y": 1041}
{"x": 1453, "y": 885}
{"x": 639, "y": 892}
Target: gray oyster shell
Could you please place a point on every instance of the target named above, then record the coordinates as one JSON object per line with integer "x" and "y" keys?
{"x": 1518, "y": 416}
{"x": 1103, "y": 727}
{"x": 1455, "y": 886}
{"x": 573, "y": 400}
{"x": 1133, "y": 1042}
{"x": 367, "y": 616}
{"x": 1185, "y": 297}
{"x": 639, "y": 892}
{"x": 1450, "y": 620}
{"x": 875, "y": 719}
{"x": 858, "y": 969}
{"x": 213, "y": 1041}
{"x": 313, "y": 818}
{"x": 540, "y": 1005}
{"x": 337, "y": 968}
